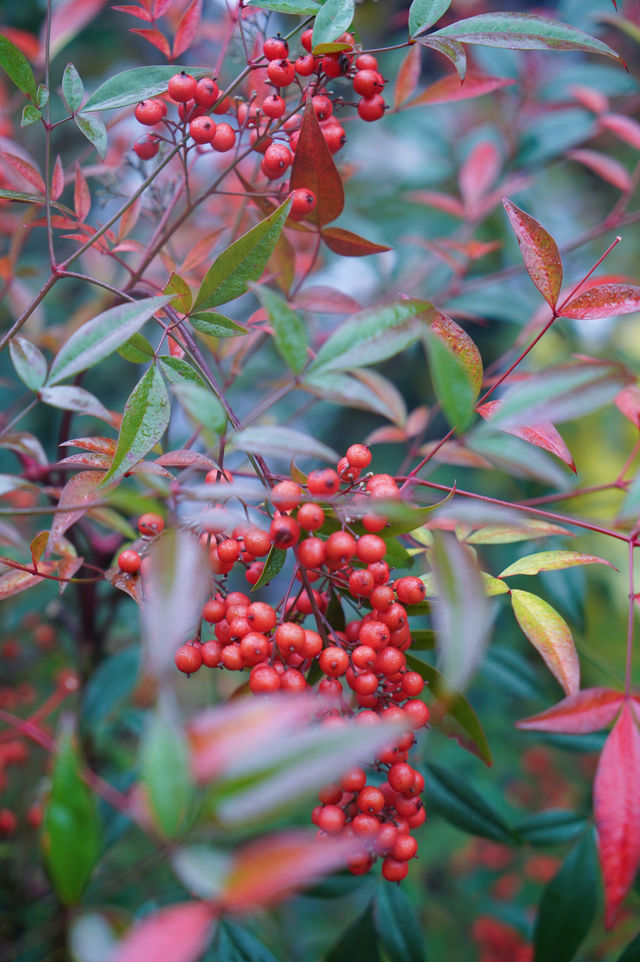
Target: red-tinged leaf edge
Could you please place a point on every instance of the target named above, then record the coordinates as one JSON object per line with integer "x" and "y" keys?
{"x": 345, "y": 242}
{"x": 605, "y": 300}
{"x": 539, "y": 252}
{"x": 450, "y": 88}
{"x": 587, "y": 711}
{"x": 314, "y": 168}
{"x": 616, "y": 806}
{"x": 544, "y": 436}
{"x": 179, "y": 933}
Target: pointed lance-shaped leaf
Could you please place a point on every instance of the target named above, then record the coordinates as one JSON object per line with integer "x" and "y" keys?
{"x": 289, "y": 330}
{"x": 396, "y": 925}
{"x": 539, "y": 252}
{"x": 455, "y": 367}
{"x": 80, "y": 489}
{"x": 550, "y": 635}
{"x": 551, "y": 561}
{"x": 606, "y": 300}
{"x": 544, "y": 436}
{"x": 332, "y": 19}
{"x": 17, "y": 67}
{"x": 176, "y": 933}
{"x": 29, "y": 362}
{"x": 314, "y": 169}
{"x": 131, "y": 86}
{"x": 587, "y": 711}
{"x": 348, "y": 244}
{"x": 144, "y": 421}
{"x": 408, "y": 75}
{"x": 451, "y": 88}
{"x": 424, "y": 13}
{"x": 616, "y": 805}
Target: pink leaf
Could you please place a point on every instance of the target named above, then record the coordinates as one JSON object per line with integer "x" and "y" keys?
{"x": 160, "y": 7}
{"x": 437, "y": 199}
{"x": 449, "y": 88}
{"x": 156, "y": 38}
{"x": 326, "y": 300}
{"x": 179, "y": 933}
{"x": 57, "y": 179}
{"x": 81, "y": 195}
{"x": 623, "y": 127}
{"x": 68, "y": 18}
{"x": 587, "y": 711}
{"x": 592, "y": 99}
{"x": 628, "y": 403}
{"x": 187, "y": 28}
{"x": 606, "y": 167}
{"x": 605, "y": 300}
{"x": 25, "y": 170}
{"x": 539, "y": 252}
{"x": 544, "y": 435}
{"x": 478, "y": 173}
{"x": 616, "y": 805}
{"x": 134, "y": 11}
{"x": 408, "y": 76}
{"x": 386, "y": 435}
{"x": 79, "y": 490}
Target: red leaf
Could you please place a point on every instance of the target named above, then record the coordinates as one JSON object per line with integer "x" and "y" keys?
{"x": 408, "y": 76}
{"x": 344, "y": 242}
{"x": 25, "y": 170}
{"x": 437, "y": 199}
{"x": 478, "y": 173}
{"x": 81, "y": 195}
{"x": 606, "y": 300}
{"x": 628, "y": 403}
{"x": 88, "y": 460}
{"x": 539, "y": 252}
{"x": 313, "y": 168}
{"x": 23, "y": 40}
{"x": 326, "y": 300}
{"x": 606, "y": 167}
{"x": 587, "y": 711}
{"x": 80, "y": 489}
{"x": 12, "y": 582}
{"x": 57, "y": 179}
{"x": 138, "y": 12}
{"x": 273, "y": 867}
{"x": 616, "y": 806}
{"x": 179, "y": 933}
{"x": 97, "y": 444}
{"x": 156, "y": 38}
{"x": 449, "y": 88}
{"x": 67, "y": 20}
{"x": 160, "y": 7}
{"x": 544, "y": 435}
{"x": 623, "y": 127}
{"x": 187, "y": 28}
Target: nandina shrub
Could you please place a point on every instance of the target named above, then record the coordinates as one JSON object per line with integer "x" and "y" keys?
{"x": 330, "y": 552}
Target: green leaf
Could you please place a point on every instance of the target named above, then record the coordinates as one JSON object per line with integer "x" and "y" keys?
{"x": 282, "y": 442}
{"x": 373, "y": 336}
{"x": 30, "y": 115}
{"x": 42, "y": 95}
{"x": 29, "y": 362}
{"x": 456, "y": 800}
{"x": 145, "y": 419}
{"x": 204, "y": 408}
{"x": 453, "y": 51}
{"x": 552, "y": 827}
{"x": 178, "y": 371}
{"x": 164, "y": 773}
{"x": 178, "y": 286}
{"x": 17, "y": 67}
{"x": 523, "y": 31}
{"x": 424, "y": 13}
{"x": 68, "y": 397}
{"x": 132, "y": 86}
{"x": 451, "y": 383}
{"x": 95, "y": 132}
{"x": 274, "y": 563}
{"x": 112, "y": 681}
{"x": 532, "y": 564}
{"x": 101, "y": 336}
{"x": 451, "y": 713}
{"x": 289, "y": 329}
{"x": 70, "y": 828}
{"x": 358, "y": 943}
{"x": 302, "y": 8}
{"x": 72, "y": 88}
{"x": 331, "y": 21}
{"x": 568, "y": 905}
{"x": 632, "y": 951}
{"x": 235, "y": 943}
{"x": 396, "y": 925}
{"x": 216, "y": 325}
{"x": 550, "y": 635}
{"x": 137, "y": 349}
{"x": 242, "y": 262}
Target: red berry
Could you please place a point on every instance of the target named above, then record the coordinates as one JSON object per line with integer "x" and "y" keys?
{"x": 340, "y": 547}
{"x": 206, "y": 92}
{"x": 312, "y": 553}
{"x": 277, "y": 159}
{"x": 370, "y": 800}
{"x": 286, "y": 495}
{"x": 333, "y": 661}
{"x": 310, "y": 516}
{"x": 281, "y": 72}
{"x": 284, "y": 531}
{"x": 361, "y": 583}
{"x": 371, "y": 108}
{"x": 370, "y": 548}
{"x": 335, "y": 64}
{"x": 129, "y": 561}
{"x": 202, "y": 130}
{"x": 412, "y": 683}
{"x": 150, "y": 524}
{"x": 366, "y": 61}
{"x": 322, "y": 106}
{"x": 150, "y": 112}
{"x": 334, "y": 136}
{"x": 257, "y": 542}
{"x": 416, "y": 712}
{"x": 303, "y": 203}
{"x": 401, "y": 777}
{"x": 254, "y": 572}
{"x": 261, "y": 616}
{"x": 275, "y": 48}
{"x": 367, "y": 83}
{"x": 294, "y": 681}
{"x": 211, "y": 653}
{"x": 182, "y": 87}
{"x": 325, "y": 481}
{"x": 373, "y": 522}
{"x": 273, "y": 106}
{"x": 224, "y": 137}
{"x": 305, "y": 66}
{"x": 188, "y": 659}
{"x": 290, "y": 638}
{"x": 223, "y": 106}
{"x": 264, "y": 679}
{"x": 393, "y": 870}
{"x": 147, "y": 147}
{"x": 410, "y": 591}
{"x": 306, "y": 38}
{"x": 358, "y": 455}
{"x": 8, "y": 822}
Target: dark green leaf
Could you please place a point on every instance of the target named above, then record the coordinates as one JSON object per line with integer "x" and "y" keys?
{"x": 396, "y": 924}
{"x": 145, "y": 419}
{"x": 136, "y": 349}
{"x": 242, "y": 262}
{"x": 568, "y": 905}
{"x": 110, "y": 683}
{"x": 632, "y": 951}
{"x": 29, "y": 362}
{"x": 272, "y": 565}
{"x": 140, "y": 83}
{"x": 234, "y": 943}
{"x": 216, "y": 325}
{"x": 203, "y": 407}
{"x": 358, "y": 943}
{"x": 451, "y": 382}
{"x": 373, "y": 335}
{"x": 164, "y": 773}
{"x": 72, "y": 88}
{"x": 16, "y": 65}
{"x": 101, "y": 336}
{"x": 71, "y": 831}
{"x": 424, "y": 13}
{"x": 289, "y": 331}
{"x": 457, "y": 801}
{"x": 283, "y": 442}
{"x": 178, "y": 371}
{"x": 95, "y": 132}
{"x": 552, "y": 827}
{"x": 30, "y": 115}
{"x": 331, "y": 21}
